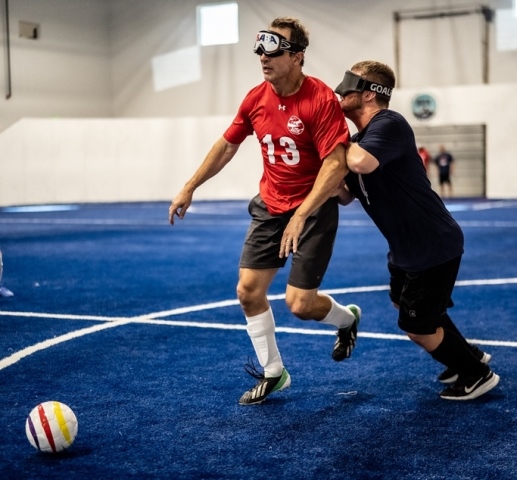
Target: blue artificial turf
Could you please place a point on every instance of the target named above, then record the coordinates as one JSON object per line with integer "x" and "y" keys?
{"x": 156, "y": 394}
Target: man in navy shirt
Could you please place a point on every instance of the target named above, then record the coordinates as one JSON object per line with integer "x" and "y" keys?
{"x": 425, "y": 242}
{"x": 443, "y": 162}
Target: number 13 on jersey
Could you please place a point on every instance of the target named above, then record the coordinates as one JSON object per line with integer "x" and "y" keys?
{"x": 291, "y": 155}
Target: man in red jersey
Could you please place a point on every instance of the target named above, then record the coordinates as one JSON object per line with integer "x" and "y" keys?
{"x": 303, "y": 134}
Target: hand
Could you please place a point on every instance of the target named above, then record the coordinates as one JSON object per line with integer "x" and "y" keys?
{"x": 344, "y": 196}
{"x": 292, "y": 232}
{"x": 179, "y": 205}
{"x": 339, "y": 189}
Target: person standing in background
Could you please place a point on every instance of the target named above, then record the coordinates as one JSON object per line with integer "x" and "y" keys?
{"x": 444, "y": 162}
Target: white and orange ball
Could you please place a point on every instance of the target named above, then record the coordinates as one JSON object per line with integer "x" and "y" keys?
{"x": 51, "y": 427}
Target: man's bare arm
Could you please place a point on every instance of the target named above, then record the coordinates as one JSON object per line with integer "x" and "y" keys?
{"x": 218, "y": 156}
{"x": 359, "y": 160}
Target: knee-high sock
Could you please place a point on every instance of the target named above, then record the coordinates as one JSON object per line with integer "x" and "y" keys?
{"x": 261, "y": 330}
{"x": 339, "y": 315}
{"x": 455, "y": 353}
{"x": 448, "y": 324}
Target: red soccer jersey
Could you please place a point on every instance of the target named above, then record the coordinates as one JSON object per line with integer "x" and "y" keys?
{"x": 295, "y": 133}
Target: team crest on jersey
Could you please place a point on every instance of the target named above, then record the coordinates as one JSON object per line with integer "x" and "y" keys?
{"x": 295, "y": 125}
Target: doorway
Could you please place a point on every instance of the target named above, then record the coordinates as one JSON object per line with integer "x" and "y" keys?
{"x": 466, "y": 143}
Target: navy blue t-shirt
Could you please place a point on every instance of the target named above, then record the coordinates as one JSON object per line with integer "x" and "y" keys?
{"x": 398, "y": 197}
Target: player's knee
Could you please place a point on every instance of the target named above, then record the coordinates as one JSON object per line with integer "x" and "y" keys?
{"x": 245, "y": 295}
{"x": 299, "y": 307}
{"x": 414, "y": 338}
{"x": 428, "y": 342}
{"x": 301, "y": 312}
{"x": 250, "y": 296}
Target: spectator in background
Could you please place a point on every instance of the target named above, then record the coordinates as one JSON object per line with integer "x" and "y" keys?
{"x": 425, "y": 156}
{"x": 444, "y": 163}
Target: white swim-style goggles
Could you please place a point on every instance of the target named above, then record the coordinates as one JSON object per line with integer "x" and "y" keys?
{"x": 272, "y": 44}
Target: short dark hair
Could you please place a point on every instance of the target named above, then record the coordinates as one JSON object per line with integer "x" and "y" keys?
{"x": 299, "y": 34}
{"x": 377, "y": 72}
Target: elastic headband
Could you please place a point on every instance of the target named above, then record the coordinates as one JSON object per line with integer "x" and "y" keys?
{"x": 355, "y": 83}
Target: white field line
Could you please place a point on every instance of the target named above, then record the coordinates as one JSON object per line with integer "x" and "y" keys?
{"x": 17, "y": 356}
{"x": 154, "y": 318}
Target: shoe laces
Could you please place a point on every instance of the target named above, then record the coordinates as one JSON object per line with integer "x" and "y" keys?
{"x": 251, "y": 369}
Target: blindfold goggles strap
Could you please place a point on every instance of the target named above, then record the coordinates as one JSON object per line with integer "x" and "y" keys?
{"x": 272, "y": 43}
{"x": 355, "y": 83}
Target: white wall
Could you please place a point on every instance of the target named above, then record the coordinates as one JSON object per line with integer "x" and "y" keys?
{"x": 492, "y": 105}
{"x": 94, "y": 57}
{"x": 64, "y": 73}
{"x": 439, "y": 52}
{"x": 61, "y": 161}
{"x": 85, "y": 124}
{"x": 112, "y": 160}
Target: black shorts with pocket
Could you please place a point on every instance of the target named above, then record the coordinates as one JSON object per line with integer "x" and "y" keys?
{"x": 423, "y": 297}
{"x": 310, "y": 262}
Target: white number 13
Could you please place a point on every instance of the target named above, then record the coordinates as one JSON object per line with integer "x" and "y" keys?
{"x": 291, "y": 155}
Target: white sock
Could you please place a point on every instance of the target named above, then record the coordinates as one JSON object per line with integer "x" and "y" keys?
{"x": 339, "y": 315}
{"x": 261, "y": 330}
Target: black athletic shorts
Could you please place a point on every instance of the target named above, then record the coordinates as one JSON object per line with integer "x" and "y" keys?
{"x": 445, "y": 178}
{"x": 310, "y": 262}
{"x": 423, "y": 297}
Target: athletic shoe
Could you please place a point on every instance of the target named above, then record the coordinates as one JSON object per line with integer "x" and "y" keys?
{"x": 450, "y": 376}
{"x": 265, "y": 386}
{"x": 346, "y": 337}
{"x": 468, "y": 388}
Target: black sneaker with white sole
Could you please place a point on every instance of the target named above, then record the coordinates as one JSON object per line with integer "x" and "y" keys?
{"x": 450, "y": 376}
{"x": 468, "y": 388}
{"x": 347, "y": 337}
{"x": 265, "y": 386}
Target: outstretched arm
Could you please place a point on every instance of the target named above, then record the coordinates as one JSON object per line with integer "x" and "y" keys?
{"x": 218, "y": 156}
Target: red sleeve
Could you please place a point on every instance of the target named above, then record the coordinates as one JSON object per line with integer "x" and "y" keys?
{"x": 329, "y": 127}
{"x": 241, "y": 126}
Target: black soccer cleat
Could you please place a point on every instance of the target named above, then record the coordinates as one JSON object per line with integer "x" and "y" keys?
{"x": 265, "y": 386}
{"x": 347, "y": 337}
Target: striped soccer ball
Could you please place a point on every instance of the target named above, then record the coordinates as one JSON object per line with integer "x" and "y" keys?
{"x": 51, "y": 427}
